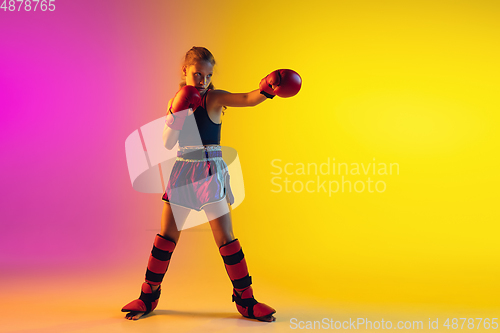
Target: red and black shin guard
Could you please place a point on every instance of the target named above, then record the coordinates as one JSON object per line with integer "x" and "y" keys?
{"x": 237, "y": 270}
{"x": 157, "y": 267}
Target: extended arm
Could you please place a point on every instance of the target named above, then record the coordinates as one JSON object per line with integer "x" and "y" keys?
{"x": 224, "y": 98}
{"x": 282, "y": 82}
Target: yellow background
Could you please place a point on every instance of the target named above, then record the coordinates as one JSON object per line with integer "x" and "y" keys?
{"x": 413, "y": 83}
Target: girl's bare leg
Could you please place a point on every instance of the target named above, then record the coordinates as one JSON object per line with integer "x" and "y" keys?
{"x": 222, "y": 226}
{"x": 168, "y": 230}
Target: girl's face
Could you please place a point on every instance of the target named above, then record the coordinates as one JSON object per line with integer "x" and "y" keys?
{"x": 199, "y": 75}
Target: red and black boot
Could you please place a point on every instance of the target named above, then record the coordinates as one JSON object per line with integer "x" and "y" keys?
{"x": 237, "y": 270}
{"x": 157, "y": 267}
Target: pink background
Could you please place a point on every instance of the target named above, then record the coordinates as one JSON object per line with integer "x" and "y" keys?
{"x": 74, "y": 84}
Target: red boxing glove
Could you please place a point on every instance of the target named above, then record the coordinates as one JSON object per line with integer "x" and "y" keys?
{"x": 286, "y": 82}
{"x": 186, "y": 98}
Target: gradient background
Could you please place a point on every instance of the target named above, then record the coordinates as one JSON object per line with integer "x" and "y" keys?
{"x": 413, "y": 83}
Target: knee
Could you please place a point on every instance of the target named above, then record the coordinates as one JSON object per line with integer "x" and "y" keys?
{"x": 169, "y": 237}
{"x": 224, "y": 239}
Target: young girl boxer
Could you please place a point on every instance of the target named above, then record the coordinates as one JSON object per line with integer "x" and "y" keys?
{"x": 199, "y": 178}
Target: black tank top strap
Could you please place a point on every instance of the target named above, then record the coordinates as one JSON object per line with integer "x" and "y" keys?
{"x": 204, "y": 100}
